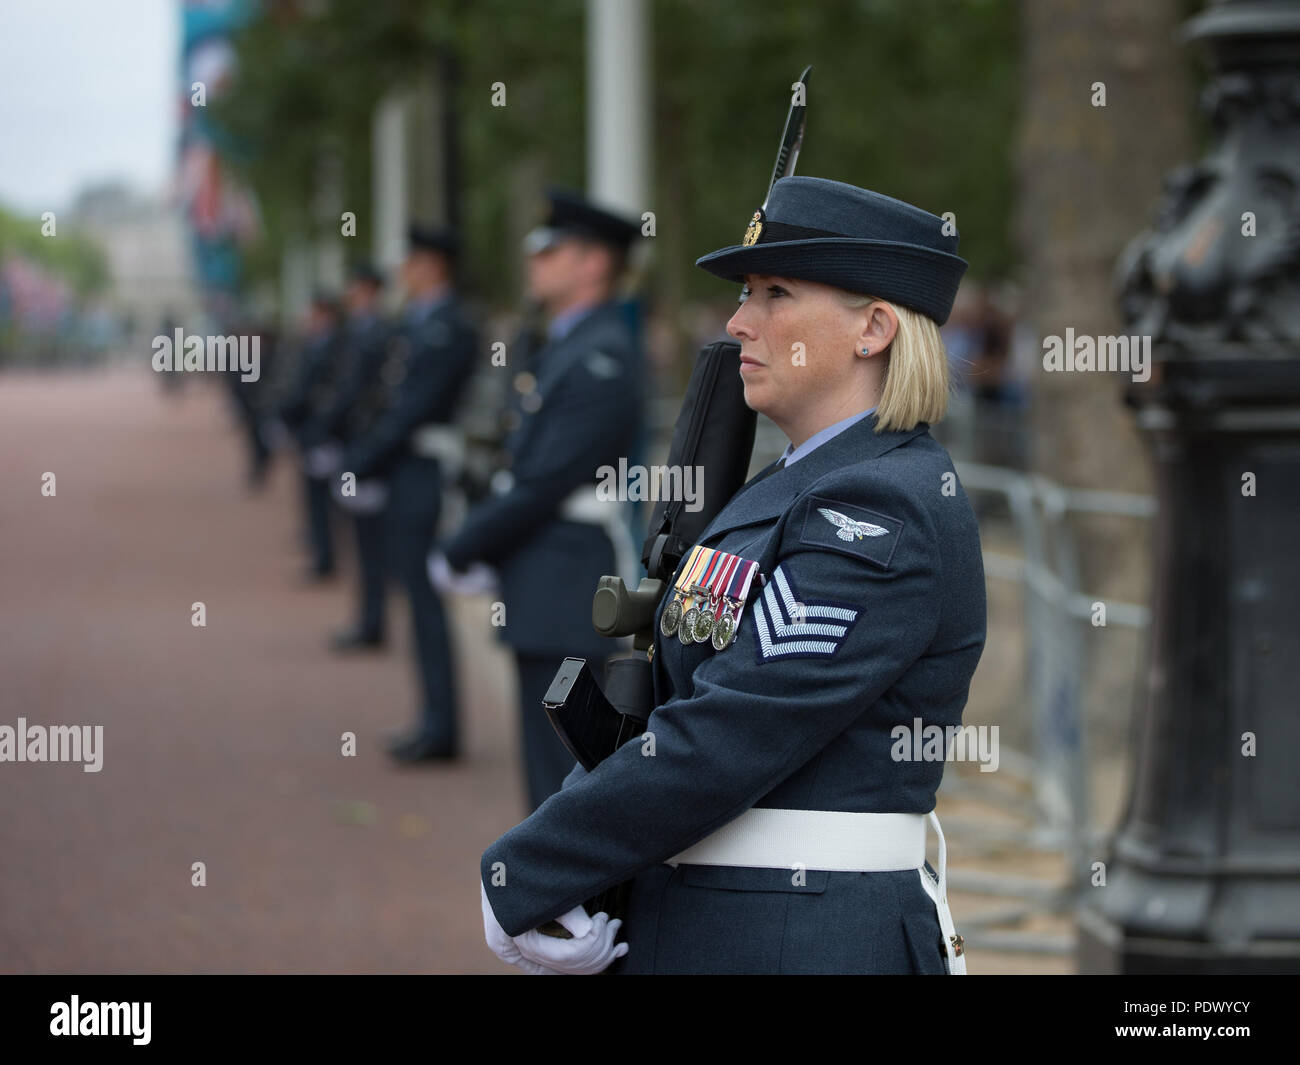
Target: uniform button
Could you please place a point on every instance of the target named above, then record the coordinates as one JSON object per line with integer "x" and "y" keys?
{"x": 525, "y": 383}
{"x": 532, "y": 402}
{"x": 511, "y": 420}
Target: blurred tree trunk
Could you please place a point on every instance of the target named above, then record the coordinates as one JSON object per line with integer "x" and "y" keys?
{"x": 1089, "y": 179}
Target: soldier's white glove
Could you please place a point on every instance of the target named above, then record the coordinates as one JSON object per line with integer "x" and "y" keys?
{"x": 591, "y": 950}
{"x": 321, "y": 461}
{"x": 503, "y": 946}
{"x": 479, "y": 579}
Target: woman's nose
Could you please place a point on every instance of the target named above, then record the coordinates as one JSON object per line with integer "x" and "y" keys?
{"x": 739, "y": 325}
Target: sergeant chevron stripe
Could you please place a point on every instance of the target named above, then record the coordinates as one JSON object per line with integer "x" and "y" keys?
{"x": 785, "y": 626}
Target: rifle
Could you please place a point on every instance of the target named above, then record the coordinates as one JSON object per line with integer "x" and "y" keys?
{"x": 715, "y": 433}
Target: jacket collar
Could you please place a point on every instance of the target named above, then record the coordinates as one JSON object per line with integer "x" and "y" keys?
{"x": 422, "y": 311}
{"x": 591, "y": 316}
{"x": 768, "y": 495}
{"x": 555, "y": 357}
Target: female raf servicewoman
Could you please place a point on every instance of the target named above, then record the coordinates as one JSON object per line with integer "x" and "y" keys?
{"x": 773, "y": 818}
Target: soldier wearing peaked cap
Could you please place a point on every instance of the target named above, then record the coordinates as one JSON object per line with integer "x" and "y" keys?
{"x": 770, "y": 827}
{"x": 427, "y": 366}
{"x": 353, "y": 411}
{"x": 313, "y": 389}
{"x": 577, "y": 406}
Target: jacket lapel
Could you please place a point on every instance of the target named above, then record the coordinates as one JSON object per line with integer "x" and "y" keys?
{"x": 559, "y": 356}
{"x": 768, "y": 495}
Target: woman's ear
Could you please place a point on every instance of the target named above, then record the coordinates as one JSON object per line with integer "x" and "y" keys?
{"x": 878, "y": 330}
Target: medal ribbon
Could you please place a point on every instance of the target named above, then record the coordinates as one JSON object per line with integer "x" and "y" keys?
{"x": 717, "y": 564}
{"x": 726, "y": 576}
{"x": 717, "y": 581}
{"x": 699, "y": 559}
{"x": 738, "y": 584}
{"x": 735, "y": 590}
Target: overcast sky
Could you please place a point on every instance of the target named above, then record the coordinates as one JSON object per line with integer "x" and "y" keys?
{"x": 87, "y": 93}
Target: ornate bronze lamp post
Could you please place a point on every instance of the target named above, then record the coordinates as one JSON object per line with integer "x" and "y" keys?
{"x": 1204, "y": 872}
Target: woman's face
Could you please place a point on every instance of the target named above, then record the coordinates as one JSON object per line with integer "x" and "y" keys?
{"x": 797, "y": 350}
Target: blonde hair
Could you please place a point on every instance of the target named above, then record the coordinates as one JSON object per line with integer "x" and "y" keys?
{"x": 916, "y": 382}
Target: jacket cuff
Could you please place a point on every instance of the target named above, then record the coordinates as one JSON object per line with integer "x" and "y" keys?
{"x": 501, "y": 895}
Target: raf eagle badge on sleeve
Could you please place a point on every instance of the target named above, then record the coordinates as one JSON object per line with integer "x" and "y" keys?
{"x": 847, "y": 528}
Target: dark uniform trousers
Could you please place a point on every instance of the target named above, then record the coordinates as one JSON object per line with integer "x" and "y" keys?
{"x": 871, "y": 615}
{"x": 320, "y": 533}
{"x": 583, "y": 411}
{"x": 410, "y": 525}
{"x": 352, "y": 413}
{"x": 317, "y": 381}
{"x": 426, "y": 371}
{"x": 374, "y": 577}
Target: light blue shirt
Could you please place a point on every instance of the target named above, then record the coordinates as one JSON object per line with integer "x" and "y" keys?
{"x": 562, "y": 324}
{"x": 363, "y": 321}
{"x": 794, "y": 454}
{"x": 416, "y": 310}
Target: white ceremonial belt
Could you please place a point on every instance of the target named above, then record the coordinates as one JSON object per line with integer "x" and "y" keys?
{"x": 762, "y": 838}
{"x": 838, "y": 841}
{"x": 443, "y": 442}
{"x": 585, "y": 507}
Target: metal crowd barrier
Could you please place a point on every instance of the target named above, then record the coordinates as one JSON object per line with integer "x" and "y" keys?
{"x": 1047, "y": 786}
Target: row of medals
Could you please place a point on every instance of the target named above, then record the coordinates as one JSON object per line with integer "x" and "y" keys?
{"x": 699, "y": 624}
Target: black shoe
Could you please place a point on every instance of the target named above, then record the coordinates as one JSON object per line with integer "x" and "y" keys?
{"x": 423, "y": 750}
{"x": 356, "y": 638}
{"x": 410, "y": 738}
{"x": 399, "y": 740}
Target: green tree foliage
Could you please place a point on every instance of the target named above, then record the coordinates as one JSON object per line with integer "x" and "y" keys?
{"x": 915, "y": 98}
{"x": 73, "y": 258}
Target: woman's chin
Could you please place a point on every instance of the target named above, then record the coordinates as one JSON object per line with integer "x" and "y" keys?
{"x": 756, "y": 396}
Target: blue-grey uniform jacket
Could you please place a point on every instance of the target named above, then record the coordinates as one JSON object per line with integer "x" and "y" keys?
{"x": 585, "y": 412}
{"x": 362, "y": 394}
{"x": 314, "y": 385}
{"x": 846, "y": 639}
{"x": 428, "y": 365}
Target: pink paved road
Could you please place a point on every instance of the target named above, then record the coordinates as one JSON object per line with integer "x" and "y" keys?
{"x": 221, "y": 744}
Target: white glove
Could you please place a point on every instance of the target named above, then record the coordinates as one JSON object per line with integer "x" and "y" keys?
{"x": 479, "y": 579}
{"x": 321, "y": 461}
{"x": 591, "y": 950}
{"x": 503, "y": 946}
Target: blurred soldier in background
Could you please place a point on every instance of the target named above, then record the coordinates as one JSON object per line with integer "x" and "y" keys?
{"x": 577, "y": 405}
{"x": 310, "y": 394}
{"x": 255, "y": 402}
{"x": 350, "y": 415}
{"x": 171, "y": 382}
{"x": 396, "y": 462}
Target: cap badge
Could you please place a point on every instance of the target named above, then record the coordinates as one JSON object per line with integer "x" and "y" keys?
{"x": 754, "y": 230}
